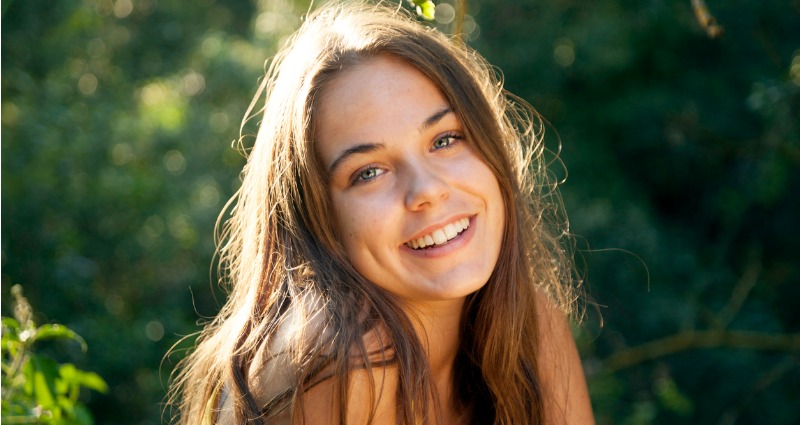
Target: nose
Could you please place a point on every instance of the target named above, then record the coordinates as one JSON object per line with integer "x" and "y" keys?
{"x": 426, "y": 187}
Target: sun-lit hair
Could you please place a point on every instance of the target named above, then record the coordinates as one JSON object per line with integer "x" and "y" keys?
{"x": 298, "y": 308}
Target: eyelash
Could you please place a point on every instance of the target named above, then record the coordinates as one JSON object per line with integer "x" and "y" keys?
{"x": 454, "y": 136}
{"x": 358, "y": 177}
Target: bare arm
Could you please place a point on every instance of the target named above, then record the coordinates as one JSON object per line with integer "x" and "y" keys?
{"x": 563, "y": 382}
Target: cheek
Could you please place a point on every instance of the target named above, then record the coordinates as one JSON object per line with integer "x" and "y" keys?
{"x": 351, "y": 221}
{"x": 496, "y": 201}
{"x": 480, "y": 172}
{"x": 500, "y": 200}
{"x": 342, "y": 221}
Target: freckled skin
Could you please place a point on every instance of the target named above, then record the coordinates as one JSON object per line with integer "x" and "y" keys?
{"x": 415, "y": 179}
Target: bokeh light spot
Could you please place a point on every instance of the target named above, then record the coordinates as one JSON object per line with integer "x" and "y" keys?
{"x": 564, "y": 52}
{"x": 174, "y": 162}
{"x": 121, "y": 154}
{"x": 95, "y": 47}
{"x": 794, "y": 69}
{"x": 154, "y": 330}
{"x": 114, "y": 304}
{"x": 153, "y": 94}
{"x": 103, "y": 7}
{"x": 211, "y": 47}
{"x": 123, "y": 8}
{"x": 206, "y": 193}
{"x": 445, "y": 13}
{"x": 219, "y": 122}
{"x": 87, "y": 84}
{"x": 10, "y": 114}
{"x": 193, "y": 83}
{"x": 470, "y": 27}
{"x": 267, "y": 23}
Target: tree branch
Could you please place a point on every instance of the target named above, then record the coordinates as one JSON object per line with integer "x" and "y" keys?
{"x": 740, "y": 293}
{"x": 690, "y": 340}
{"x": 458, "y": 21}
{"x": 765, "y": 381}
{"x": 706, "y": 20}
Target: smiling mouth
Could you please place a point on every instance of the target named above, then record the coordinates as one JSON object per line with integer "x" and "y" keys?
{"x": 440, "y": 236}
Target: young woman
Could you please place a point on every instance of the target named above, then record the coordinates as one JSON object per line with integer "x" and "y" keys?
{"x": 393, "y": 253}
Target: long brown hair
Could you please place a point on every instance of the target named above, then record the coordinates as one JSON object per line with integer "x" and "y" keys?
{"x": 294, "y": 296}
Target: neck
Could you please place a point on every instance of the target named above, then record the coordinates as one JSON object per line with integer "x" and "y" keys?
{"x": 439, "y": 329}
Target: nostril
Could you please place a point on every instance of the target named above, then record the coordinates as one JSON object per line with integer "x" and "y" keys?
{"x": 425, "y": 188}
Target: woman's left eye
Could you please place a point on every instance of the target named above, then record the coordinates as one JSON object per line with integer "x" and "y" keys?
{"x": 446, "y": 141}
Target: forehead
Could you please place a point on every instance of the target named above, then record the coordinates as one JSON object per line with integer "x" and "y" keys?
{"x": 379, "y": 99}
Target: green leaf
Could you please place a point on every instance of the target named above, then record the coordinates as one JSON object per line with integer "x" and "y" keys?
{"x": 28, "y": 370}
{"x": 427, "y": 10}
{"x": 10, "y": 346}
{"x": 68, "y": 380}
{"x": 671, "y": 397}
{"x": 11, "y": 324}
{"x": 43, "y": 389}
{"x": 93, "y": 381}
{"x": 67, "y": 406}
{"x": 82, "y": 415}
{"x": 10, "y": 339}
{"x": 57, "y": 331}
{"x": 72, "y": 375}
{"x": 43, "y": 373}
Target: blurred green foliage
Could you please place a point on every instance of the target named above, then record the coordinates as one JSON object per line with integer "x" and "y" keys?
{"x": 117, "y": 123}
{"x": 36, "y": 389}
{"x": 426, "y": 9}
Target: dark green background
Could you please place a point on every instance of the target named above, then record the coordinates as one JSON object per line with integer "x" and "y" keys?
{"x": 683, "y": 189}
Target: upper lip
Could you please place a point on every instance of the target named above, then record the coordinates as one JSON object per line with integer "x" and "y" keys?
{"x": 430, "y": 229}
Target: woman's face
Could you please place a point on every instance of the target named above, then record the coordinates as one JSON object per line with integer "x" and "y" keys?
{"x": 416, "y": 210}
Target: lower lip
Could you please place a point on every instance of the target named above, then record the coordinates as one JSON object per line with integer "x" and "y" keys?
{"x": 441, "y": 250}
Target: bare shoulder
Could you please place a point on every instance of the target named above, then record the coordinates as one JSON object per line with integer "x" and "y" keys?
{"x": 370, "y": 394}
{"x": 273, "y": 373}
{"x": 563, "y": 380}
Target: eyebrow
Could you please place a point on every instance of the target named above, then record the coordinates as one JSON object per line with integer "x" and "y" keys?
{"x": 371, "y": 147}
{"x": 354, "y": 150}
{"x": 433, "y": 119}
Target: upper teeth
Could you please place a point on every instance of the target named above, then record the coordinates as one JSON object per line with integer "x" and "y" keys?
{"x": 440, "y": 236}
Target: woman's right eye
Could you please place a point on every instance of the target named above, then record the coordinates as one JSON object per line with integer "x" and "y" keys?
{"x": 366, "y": 174}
